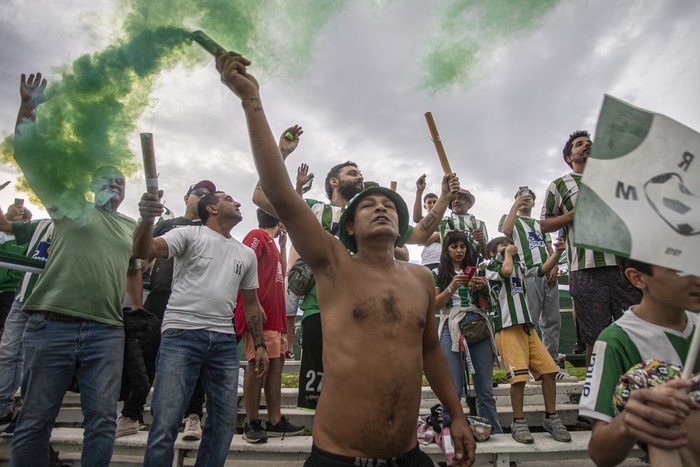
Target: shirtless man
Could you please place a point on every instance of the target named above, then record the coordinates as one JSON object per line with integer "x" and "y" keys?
{"x": 379, "y": 328}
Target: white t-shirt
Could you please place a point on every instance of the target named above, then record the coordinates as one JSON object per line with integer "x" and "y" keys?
{"x": 208, "y": 271}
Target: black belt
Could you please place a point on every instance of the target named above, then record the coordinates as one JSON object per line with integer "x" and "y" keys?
{"x": 53, "y": 316}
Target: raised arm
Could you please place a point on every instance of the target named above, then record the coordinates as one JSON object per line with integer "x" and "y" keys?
{"x": 286, "y": 147}
{"x": 425, "y": 228}
{"x": 507, "y": 266}
{"x": 418, "y": 202}
{"x": 509, "y": 222}
{"x": 553, "y": 260}
{"x": 144, "y": 246}
{"x": 312, "y": 242}
{"x": 31, "y": 92}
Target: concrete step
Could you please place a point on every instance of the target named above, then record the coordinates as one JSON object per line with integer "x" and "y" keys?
{"x": 566, "y": 393}
{"x": 499, "y": 449}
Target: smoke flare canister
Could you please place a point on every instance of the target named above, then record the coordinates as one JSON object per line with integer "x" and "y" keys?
{"x": 207, "y": 43}
{"x": 149, "y": 163}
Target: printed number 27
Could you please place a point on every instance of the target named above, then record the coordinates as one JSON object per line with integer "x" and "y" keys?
{"x": 311, "y": 376}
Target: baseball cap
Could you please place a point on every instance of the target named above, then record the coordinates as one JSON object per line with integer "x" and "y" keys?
{"x": 202, "y": 184}
{"x": 348, "y": 215}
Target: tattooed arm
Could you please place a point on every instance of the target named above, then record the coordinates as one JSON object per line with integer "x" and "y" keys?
{"x": 254, "y": 321}
{"x": 431, "y": 221}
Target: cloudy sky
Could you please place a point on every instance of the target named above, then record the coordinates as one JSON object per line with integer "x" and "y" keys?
{"x": 505, "y": 86}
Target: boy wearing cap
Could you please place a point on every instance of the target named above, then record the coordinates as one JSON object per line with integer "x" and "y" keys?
{"x": 461, "y": 219}
{"x": 379, "y": 329}
{"x": 660, "y": 327}
{"x": 516, "y": 339}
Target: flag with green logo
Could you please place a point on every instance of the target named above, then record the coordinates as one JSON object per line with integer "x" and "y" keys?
{"x": 640, "y": 192}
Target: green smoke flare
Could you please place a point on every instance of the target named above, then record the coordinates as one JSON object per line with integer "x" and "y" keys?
{"x": 94, "y": 104}
{"x": 469, "y": 31}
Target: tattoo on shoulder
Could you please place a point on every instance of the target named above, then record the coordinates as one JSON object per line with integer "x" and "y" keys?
{"x": 427, "y": 221}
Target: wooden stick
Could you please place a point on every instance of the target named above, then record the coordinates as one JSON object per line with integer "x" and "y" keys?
{"x": 438, "y": 143}
{"x": 692, "y": 355}
{"x": 392, "y": 185}
{"x": 149, "y": 163}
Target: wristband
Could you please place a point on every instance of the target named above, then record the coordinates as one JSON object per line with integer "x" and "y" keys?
{"x": 257, "y": 346}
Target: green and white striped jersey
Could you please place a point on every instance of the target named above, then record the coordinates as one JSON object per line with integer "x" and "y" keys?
{"x": 507, "y": 295}
{"x": 328, "y": 214}
{"x": 462, "y": 297}
{"x": 560, "y": 198}
{"x": 38, "y": 236}
{"x": 625, "y": 343}
{"x": 528, "y": 237}
{"x": 464, "y": 223}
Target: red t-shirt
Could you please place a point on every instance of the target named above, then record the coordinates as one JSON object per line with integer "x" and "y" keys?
{"x": 271, "y": 283}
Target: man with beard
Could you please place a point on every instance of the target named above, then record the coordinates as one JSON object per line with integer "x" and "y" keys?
{"x": 342, "y": 182}
{"x": 76, "y": 327}
{"x": 600, "y": 292}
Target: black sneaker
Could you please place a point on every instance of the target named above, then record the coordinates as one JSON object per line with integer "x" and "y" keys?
{"x": 579, "y": 348}
{"x": 282, "y": 428}
{"x": 254, "y": 432}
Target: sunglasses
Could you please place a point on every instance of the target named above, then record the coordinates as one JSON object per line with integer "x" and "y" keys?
{"x": 197, "y": 192}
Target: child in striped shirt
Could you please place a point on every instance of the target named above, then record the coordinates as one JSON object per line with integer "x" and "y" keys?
{"x": 518, "y": 344}
{"x": 660, "y": 327}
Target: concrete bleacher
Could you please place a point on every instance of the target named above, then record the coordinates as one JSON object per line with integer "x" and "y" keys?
{"x": 500, "y": 449}
{"x": 567, "y": 398}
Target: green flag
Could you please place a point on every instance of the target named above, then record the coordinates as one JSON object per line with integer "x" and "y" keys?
{"x": 640, "y": 192}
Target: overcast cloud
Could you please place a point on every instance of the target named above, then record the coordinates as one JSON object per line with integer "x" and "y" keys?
{"x": 361, "y": 96}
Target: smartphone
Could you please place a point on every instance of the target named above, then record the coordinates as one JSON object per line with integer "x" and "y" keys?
{"x": 19, "y": 202}
{"x": 524, "y": 190}
{"x": 469, "y": 271}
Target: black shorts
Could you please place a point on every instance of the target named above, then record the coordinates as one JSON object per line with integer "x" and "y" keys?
{"x": 311, "y": 368}
{"x": 413, "y": 458}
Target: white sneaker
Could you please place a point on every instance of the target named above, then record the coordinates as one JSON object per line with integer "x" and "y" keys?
{"x": 563, "y": 376}
{"x": 193, "y": 428}
{"x": 531, "y": 380}
{"x": 126, "y": 426}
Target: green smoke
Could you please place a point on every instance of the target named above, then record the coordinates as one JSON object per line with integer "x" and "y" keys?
{"x": 95, "y": 102}
{"x": 468, "y": 32}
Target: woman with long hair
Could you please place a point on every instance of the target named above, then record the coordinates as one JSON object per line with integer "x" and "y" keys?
{"x": 457, "y": 299}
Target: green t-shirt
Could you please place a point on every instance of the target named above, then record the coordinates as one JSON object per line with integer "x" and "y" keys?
{"x": 85, "y": 275}
{"x": 627, "y": 342}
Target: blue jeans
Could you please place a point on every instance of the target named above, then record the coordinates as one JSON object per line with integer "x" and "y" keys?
{"x": 482, "y": 356}
{"x": 54, "y": 353}
{"x": 11, "y": 357}
{"x": 185, "y": 355}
